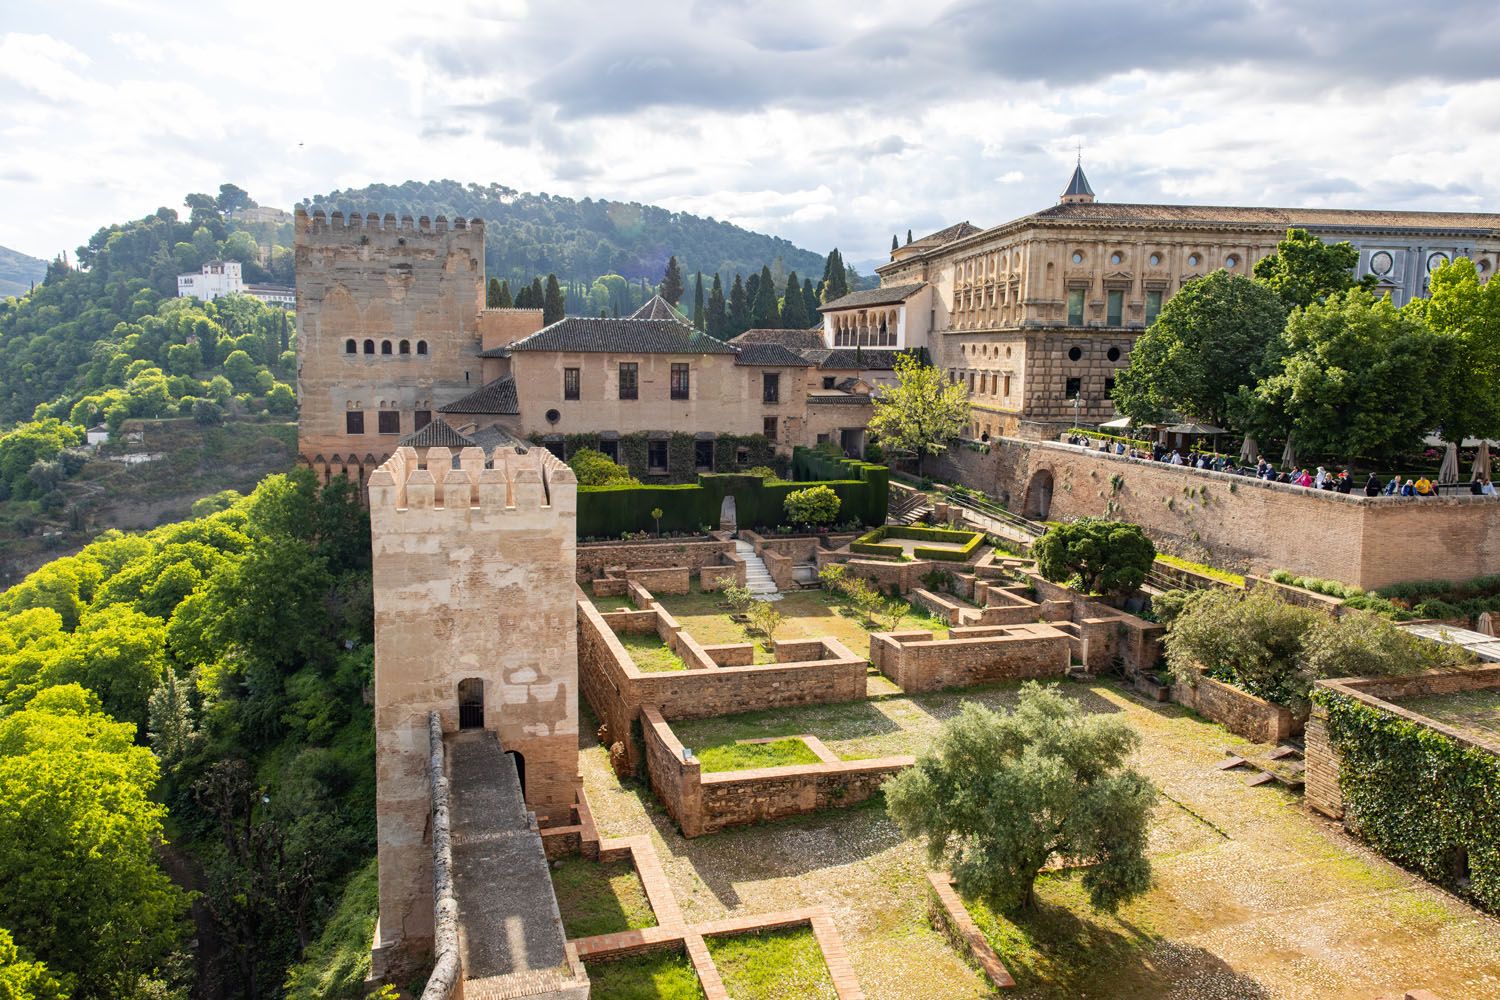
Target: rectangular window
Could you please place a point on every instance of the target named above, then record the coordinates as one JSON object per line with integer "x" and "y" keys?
{"x": 770, "y": 387}
{"x": 610, "y": 449}
{"x": 570, "y": 383}
{"x": 1109, "y": 388}
{"x": 629, "y": 387}
{"x": 679, "y": 380}
{"x": 828, "y": 380}
{"x": 1075, "y": 387}
{"x": 971, "y": 381}
{"x": 1114, "y": 307}
{"x": 1006, "y": 393}
{"x": 656, "y": 456}
{"x": 421, "y": 419}
{"x": 1075, "y": 307}
{"x": 768, "y": 428}
{"x": 1153, "y": 307}
{"x": 354, "y": 422}
{"x": 703, "y": 456}
{"x": 390, "y": 421}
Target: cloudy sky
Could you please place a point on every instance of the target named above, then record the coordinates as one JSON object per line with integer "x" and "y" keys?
{"x": 829, "y": 123}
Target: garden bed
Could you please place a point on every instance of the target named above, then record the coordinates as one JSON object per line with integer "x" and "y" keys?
{"x": 781, "y": 964}
{"x": 649, "y": 652}
{"x": 748, "y": 755}
{"x": 942, "y": 543}
{"x": 600, "y": 898}
{"x": 663, "y": 975}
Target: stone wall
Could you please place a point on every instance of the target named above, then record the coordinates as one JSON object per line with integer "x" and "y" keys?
{"x": 594, "y": 558}
{"x": 1238, "y": 711}
{"x": 1231, "y": 520}
{"x": 917, "y": 662}
{"x": 706, "y": 803}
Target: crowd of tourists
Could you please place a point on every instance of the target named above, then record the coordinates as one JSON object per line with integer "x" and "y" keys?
{"x": 1318, "y": 479}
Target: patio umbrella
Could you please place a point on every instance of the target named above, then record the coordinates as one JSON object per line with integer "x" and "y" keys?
{"x": 1288, "y": 455}
{"x": 1448, "y": 473}
{"x": 1119, "y": 423}
{"x": 1249, "y": 451}
{"x": 1481, "y": 461}
{"x": 1192, "y": 428}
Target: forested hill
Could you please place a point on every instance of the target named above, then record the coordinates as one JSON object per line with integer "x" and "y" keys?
{"x": 531, "y": 234}
{"x": 18, "y": 271}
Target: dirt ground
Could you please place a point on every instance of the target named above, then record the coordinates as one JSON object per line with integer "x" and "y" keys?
{"x": 1255, "y": 897}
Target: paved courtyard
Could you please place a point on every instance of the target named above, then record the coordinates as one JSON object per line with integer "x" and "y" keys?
{"x": 1254, "y": 897}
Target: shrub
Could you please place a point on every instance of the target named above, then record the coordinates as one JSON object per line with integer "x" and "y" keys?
{"x": 1365, "y": 645}
{"x": 594, "y": 468}
{"x": 766, "y": 618}
{"x": 813, "y": 505}
{"x": 1254, "y": 642}
{"x": 763, "y": 471}
{"x": 1104, "y": 557}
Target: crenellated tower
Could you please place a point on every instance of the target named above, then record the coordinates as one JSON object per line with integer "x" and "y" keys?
{"x": 387, "y": 318}
{"x": 475, "y": 620}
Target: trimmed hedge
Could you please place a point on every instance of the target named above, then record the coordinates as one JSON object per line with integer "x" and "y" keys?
{"x": 1417, "y": 796}
{"x": 610, "y": 511}
{"x": 869, "y": 543}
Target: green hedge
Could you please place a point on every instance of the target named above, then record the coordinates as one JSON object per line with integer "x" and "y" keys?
{"x": 610, "y": 511}
{"x": 869, "y": 543}
{"x": 1417, "y": 796}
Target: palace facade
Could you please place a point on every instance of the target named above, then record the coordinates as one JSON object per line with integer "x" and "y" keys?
{"x": 1038, "y": 315}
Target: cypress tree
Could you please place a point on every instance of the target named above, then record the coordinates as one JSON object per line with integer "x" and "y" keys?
{"x": 894, "y": 244}
{"x": 752, "y": 286}
{"x": 553, "y": 307}
{"x": 716, "y": 319}
{"x": 523, "y": 297}
{"x": 908, "y": 237}
{"x": 764, "y": 313}
{"x": 698, "y": 318}
{"x": 492, "y": 294}
{"x": 835, "y": 280}
{"x": 810, "y": 301}
{"x": 538, "y": 297}
{"x": 503, "y": 299}
{"x": 793, "y": 309}
{"x": 671, "y": 282}
{"x": 739, "y": 309}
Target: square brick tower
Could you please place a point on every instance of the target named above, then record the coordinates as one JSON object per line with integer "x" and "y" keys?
{"x": 475, "y": 620}
{"x": 387, "y": 329}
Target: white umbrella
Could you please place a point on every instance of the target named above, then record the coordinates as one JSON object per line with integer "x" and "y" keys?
{"x": 1481, "y": 468}
{"x": 1448, "y": 473}
{"x": 1288, "y": 455}
{"x": 1249, "y": 451}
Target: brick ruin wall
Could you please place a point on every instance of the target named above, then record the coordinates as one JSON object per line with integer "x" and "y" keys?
{"x": 917, "y": 662}
{"x": 1240, "y": 712}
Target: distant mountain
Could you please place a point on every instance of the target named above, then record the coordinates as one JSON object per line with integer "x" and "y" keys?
{"x": 18, "y": 271}
{"x": 538, "y": 234}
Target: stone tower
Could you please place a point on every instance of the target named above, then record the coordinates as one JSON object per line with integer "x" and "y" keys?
{"x": 475, "y": 620}
{"x": 387, "y": 327}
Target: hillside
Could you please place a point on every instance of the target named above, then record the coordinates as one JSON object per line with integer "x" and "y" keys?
{"x": 18, "y": 271}
{"x": 530, "y": 234}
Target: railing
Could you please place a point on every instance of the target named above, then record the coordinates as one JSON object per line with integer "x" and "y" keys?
{"x": 993, "y": 510}
{"x": 447, "y": 970}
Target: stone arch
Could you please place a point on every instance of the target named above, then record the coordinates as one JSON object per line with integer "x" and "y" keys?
{"x": 385, "y": 347}
{"x": 471, "y": 703}
{"x": 1038, "y": 503}
{"x": 369, "y": 347}
{"x": 404, "y": 347}
{"x": 350, "y": 347}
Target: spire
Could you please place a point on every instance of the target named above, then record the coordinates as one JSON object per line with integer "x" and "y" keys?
{"x": 1078, "y": 191}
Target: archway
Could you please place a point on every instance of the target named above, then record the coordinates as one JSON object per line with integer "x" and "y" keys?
{"x": 520, "y": 763}
{"x": 727, "y": 515}
{"x": 1039, "y": 496}
{"x": 471, "y": 703}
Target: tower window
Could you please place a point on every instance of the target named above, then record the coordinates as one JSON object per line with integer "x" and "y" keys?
{"x": 354, "y": 422}
{"x": 1074, "y": 388}
{"x": 404, "y": 347}
{"x": 679, "y": 381}
{"x": 1153, "y": 307}
{"x": 369, "y": 347}
{"x": 570, "y": 383}
{"x": 390, "y": 421}
{"x": 1114, "y": 307}
{"x": 385, "y": 347}
{"x": 422, "y": 347}
{"x": 350, "y": 347}
{"x": 1075, "y": 307}
{"x": 629, "y": 388}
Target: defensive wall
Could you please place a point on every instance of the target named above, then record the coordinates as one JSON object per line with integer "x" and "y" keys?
{"x": 1231, "y": 520}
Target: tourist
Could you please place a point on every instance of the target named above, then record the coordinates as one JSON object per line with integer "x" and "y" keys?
{"x": 1320, "y": 478}
{"x": 1476, "y": 487}
{"x": 1372, "y": 486}
{"x": 1176, "y": 459}
{"x": 1344, "y": 484}
{"x": 1423, "y": 487}
{"x": 1488, "y": 489}
{"x": 1119, "y": 447}
{"x": 1393, "y": 488}
{"x": 1285, "y": 477}
{"x": 1407, "y": 489}
{"x": 1304, "y": 479}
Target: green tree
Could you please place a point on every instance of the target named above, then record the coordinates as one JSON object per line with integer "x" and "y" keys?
{"x": 739, "y": 309}
{"x": 813, "y": 505}
{"x": 280, "y": 400}
{"x": 1466, "y": 312}
{"x": 672, "y": 285}
{"x": 766, "y": 618}
{"x": 184, "y": 359}
{"x": 810, "y": 302}
{"x": 717, "y": 319}
{"x": 1218, "y": 334}
{"x": 594, "y": 468}
{"x": 552, "y": 302}
{"x": 232, "y": 198}
{"x": 1254, "y": 642}
{"x": 793, "y": 310}
{"x": 492, "y": 294}
{"x": 1304, "y": 269}
{"x": 922, "y": 412}
{"x": 22, "y": 979}
{"x": 502, "y": 296}
{"x": 699, "y": 319}
{"x": 1104, "y": 557}
{"x": 1357, "y": 378}
{"x": 764, "y": 313}
{"x": 241, "y": 369}
{"x": 77, "y": 824}
{"x": 835, "y": 284}
{"x": 1002, "y": 793}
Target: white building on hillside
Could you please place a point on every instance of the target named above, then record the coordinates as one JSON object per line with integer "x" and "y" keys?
{"x": 223, "y": 277}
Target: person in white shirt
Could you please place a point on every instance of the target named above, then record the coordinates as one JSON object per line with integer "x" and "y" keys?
{"x": 1176, "y": 459}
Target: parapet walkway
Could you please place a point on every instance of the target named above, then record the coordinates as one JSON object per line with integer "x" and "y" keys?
{"x": 511, "y": 941}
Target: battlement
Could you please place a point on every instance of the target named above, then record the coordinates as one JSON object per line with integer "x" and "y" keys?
{"x": 508, "y": 481}
{"x": 338, "y": 227}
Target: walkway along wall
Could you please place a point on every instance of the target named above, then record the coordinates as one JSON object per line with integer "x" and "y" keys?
{"x": 1232, "y": 520}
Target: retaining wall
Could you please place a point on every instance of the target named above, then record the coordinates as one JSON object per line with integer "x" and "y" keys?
{"x": 918, "y": 662}
{"x": 1238, "y": 711}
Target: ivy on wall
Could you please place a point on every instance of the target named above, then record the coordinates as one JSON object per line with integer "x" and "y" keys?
{"x": 1421, "y": 798}
{"x": 682, "y": 454}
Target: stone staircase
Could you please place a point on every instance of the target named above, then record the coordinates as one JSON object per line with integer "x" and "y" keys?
{"x": 907, "y": 506}
{"x": 757, "y": 578}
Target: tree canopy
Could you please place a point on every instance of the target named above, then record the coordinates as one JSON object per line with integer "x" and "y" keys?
{"x": 922, "y": 412}
{"x": 999, "y": 794}
{"x": 1304, "y": 269}
{"x": 1466, "y": 313}
{"x": 1101, "y": 556}
{"x": 672, "y": 285}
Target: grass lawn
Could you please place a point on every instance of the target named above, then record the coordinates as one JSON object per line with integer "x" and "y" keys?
{"x": 1206, "y": 570}
{"x": 772, "y": 965}
{"x": 810, "y": 614}
{"x": 650, "y": 653}
{"x": 600, "y": 898}
{"x": 605, "y": 604}
{"x": 744, "y": 756}
{"x": 1474, "y": 712}
{"x": 666, "y": 975}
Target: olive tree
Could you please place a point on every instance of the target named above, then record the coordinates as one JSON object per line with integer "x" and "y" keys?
{"x": 999, "y": 794}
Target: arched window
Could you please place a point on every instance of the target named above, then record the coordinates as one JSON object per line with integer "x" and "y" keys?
{"x": 369, "y": 347}
{"x": 349, "y": 346}
{"x": 385, "y": 347}
{"x": 405, "y": 347}
{"x": 422, "y": 347}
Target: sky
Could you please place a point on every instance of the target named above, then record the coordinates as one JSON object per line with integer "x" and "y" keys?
{"x": 830, "y": 123}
